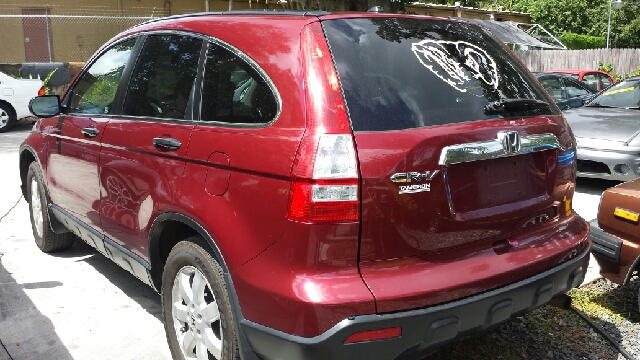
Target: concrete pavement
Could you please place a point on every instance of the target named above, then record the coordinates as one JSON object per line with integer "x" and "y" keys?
{"x": 74, "y": 304}
{"x": 77, "y": 304}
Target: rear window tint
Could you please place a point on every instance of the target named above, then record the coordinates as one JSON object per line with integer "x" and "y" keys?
{"x": 407, "y": 73}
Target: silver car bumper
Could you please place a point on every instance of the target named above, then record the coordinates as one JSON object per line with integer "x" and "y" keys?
{"x": 610, "y": 160}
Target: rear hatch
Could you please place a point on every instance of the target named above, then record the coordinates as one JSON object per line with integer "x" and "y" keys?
{"x": 443, "y": 166}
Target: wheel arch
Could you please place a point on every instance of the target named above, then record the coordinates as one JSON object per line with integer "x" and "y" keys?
{"x": 27, "y": 156}
{"x": 634, "y": 267}
{"x": 170, "y": 223}
{"x": 162, "y": 238}
{"x": 13, "y": 110}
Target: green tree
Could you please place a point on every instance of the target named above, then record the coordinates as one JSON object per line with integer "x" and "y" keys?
{"x": 580, "y": 17}
{"x": 585, "y": 17}
{"x": 577, "y": 42}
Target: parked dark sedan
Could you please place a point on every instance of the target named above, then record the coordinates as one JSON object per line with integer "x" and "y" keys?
{"x": 565, "y": 91}
{"x": 607, "y": 132}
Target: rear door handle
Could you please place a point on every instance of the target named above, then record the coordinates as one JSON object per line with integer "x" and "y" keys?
{"x": 167, "y": 143}
{"x": 90, "y": 132}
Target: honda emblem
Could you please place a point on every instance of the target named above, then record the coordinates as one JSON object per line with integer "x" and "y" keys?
{"x": 510, "y": 141}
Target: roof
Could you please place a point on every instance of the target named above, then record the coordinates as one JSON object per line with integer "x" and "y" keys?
{"x": 574, "y": 71}
{"x": 442, "y": 10}
{"x": 510, "y": 33}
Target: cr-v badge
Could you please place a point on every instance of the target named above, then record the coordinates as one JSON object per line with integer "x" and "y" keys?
{"x": 414, "y": 177}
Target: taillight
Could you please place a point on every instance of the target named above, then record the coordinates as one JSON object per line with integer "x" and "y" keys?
{"x": 324, "y": 178}
{"x": 42, "y": 91}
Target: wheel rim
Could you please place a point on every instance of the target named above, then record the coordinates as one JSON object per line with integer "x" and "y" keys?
{"x": 196, "y": 317}
{"x": 36, "y": 207}
{"x": 4, "y": 118}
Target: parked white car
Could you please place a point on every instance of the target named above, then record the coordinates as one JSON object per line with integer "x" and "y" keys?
{"x": 15, "y": 95}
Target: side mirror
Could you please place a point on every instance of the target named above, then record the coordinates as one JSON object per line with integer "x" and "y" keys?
{"x": 45, "y": 106}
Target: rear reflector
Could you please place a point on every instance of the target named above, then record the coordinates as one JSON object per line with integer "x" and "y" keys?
{"x": 373, "y": 335}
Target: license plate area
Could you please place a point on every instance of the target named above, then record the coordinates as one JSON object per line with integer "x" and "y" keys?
{"x": 490, "y": 183}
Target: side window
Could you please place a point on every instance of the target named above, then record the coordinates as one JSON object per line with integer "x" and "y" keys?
{"x": 606, "y": 82}
{"x": 163, "y": 77}
{"x": 233, "y": 92}
{"x": 591, "y": 80}
{"x": 553, "y": 87}
{"x": 574, "y": 90}
{"x": 96, "y": 89}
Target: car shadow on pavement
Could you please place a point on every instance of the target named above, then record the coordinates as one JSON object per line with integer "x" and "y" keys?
{"x": 131, "y": 286}
{"x": 25, "y": 333}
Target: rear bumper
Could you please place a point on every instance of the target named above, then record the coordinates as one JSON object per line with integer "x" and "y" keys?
{"x": 617, "y": 257}
{"x": 604, "y": 244}
{"x": 425, "y": 329}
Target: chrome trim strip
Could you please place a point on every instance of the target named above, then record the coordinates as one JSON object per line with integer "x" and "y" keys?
{"x": 493, "y": 149}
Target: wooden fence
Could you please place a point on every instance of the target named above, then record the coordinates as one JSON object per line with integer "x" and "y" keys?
{"x": 624, "y": 60}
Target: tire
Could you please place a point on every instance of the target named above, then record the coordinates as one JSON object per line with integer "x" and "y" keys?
{"x": 7, "y": 117}
{"x": 198, "y": 318}
{"x": 46, "y": 240}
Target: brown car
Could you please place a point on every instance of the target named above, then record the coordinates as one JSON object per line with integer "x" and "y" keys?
{"x": 616, "y": 233}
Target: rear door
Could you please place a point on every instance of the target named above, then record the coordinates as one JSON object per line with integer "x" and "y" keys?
{"x": 144, "y": 148}
{"x": 237, "y": 176}
{"x": 440, "y": 168}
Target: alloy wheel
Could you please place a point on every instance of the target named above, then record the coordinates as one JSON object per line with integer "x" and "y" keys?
{"x": 196, "y": 316}
{"x": 4, "y": 118}
{"x": 36, "y": 207}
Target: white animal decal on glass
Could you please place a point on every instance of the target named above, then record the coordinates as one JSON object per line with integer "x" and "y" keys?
{"x": 457, "y": 62}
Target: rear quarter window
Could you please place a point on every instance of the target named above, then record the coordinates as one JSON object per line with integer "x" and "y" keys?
{"x": 233, "y": 92}
{"x": 408, "y": 73}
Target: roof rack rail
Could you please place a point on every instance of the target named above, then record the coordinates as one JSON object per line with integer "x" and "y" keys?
{"x": 243, "y": 12}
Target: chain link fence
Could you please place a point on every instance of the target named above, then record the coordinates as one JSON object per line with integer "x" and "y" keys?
{"x": 58, "y": 38}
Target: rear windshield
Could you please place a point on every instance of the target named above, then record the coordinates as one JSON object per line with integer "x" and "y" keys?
{"x": 408, "y": 73}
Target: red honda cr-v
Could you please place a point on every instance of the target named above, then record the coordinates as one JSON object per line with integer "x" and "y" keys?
{"x": 308, "y": 185}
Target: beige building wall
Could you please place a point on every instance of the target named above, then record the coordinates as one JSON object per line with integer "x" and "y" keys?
{"x": 11, "y": 41}
{"x": 79, "y": 27}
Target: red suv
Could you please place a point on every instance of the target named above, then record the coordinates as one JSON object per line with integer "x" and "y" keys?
{"x": 308, "y": 185}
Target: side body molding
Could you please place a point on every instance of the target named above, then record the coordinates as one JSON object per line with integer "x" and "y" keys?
{"x": 109, "y": 248}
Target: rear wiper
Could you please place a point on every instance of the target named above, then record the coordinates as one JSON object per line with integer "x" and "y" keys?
{"x": 506, "y": 105}
{"x": 634, "y": 108}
